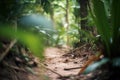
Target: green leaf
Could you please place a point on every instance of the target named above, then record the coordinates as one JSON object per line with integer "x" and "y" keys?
{"x": 102, "y": 24}
{"x": 115, "y": 18}
{"x": 116, "y": 62}
{"x": 33, "y": 41}
{"x": 95, "y": 65}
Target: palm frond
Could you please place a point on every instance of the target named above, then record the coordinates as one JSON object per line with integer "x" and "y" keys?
{"x": 102, "y": 23}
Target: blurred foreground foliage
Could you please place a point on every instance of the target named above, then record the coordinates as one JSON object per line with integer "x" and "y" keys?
{"x": 25, "y": 21}
{"x": 33, "y": 41}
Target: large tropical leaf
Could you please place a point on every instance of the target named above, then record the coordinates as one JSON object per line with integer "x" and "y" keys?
{"x": 115, "y": 19}
{"x": 102, "y": 23}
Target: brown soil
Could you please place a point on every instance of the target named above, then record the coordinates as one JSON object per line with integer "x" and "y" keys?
{"x": 59, "y": 60}
{"x": 58, "y": 65}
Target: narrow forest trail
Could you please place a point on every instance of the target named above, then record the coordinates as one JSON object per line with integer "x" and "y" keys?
{"x": 57, "y": 62}
{"x": 54, "y": 66}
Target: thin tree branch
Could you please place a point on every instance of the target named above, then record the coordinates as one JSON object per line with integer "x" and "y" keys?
{"x": 12, "y": 43}
{"x": 14, "y": 67}
{"x": 73, "y": 68}
{"x": 50, "y": 70}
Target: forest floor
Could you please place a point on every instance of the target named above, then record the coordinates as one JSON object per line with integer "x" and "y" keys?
{"x": 65, "y": 63}
{"x": 60, "y": 63}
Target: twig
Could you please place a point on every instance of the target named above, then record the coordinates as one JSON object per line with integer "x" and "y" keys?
{"x": 14, "y": 67}
{"x": 50, "y": 70}
{"x": 15, "y": 76}
{"x": 8, "y": 49}
{"x": 72, "y": 68}
{"x": 79, "y": 47}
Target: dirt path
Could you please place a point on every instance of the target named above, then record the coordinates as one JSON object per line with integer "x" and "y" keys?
{"x": 57, "y": 62}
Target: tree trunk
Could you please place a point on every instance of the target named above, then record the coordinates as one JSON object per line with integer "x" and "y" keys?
{"x": 83, "y": 14}
{"x": 52, "y": 12}
{"x": 67, "y": 20}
